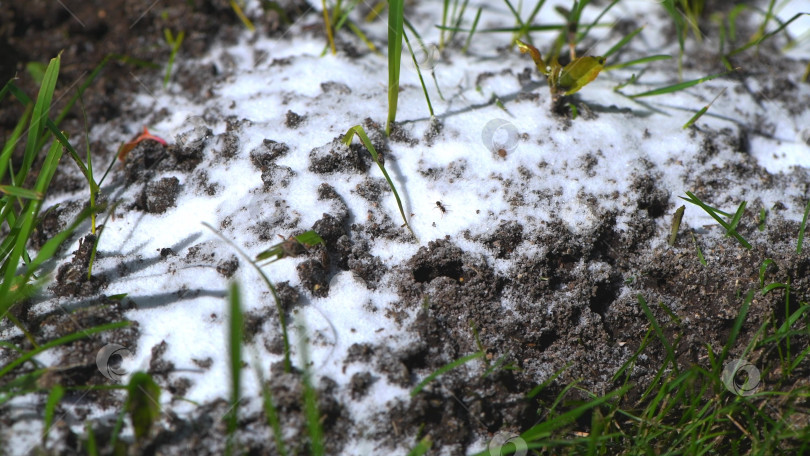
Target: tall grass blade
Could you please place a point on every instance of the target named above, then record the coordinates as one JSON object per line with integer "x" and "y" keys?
{"x": 396, "y": 18}
{"x": 677, "y": 87}
{"x": 235, "y": 361}
{"x": 311, "y": 412}
{"x": 50, "y": 410}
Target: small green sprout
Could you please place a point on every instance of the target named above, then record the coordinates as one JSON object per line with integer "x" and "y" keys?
{"x": 564, "y": 80}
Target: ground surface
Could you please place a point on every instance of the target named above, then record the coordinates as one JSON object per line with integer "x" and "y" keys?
{"x": 538, "y": 251}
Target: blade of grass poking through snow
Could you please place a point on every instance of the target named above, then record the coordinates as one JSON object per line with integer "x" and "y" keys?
{"x": 581, "y": 35}
{"x": 396, "y": 16}
{"x": 676, "y": 224}
{"x": 443, "y": 369}
{"x": 41, "y": 109}
{"x": 239, "y": 13}
{"x": 174, "y": 43}
{"x": 713, "y": 213}
{"x": 616, "y": 47}
{"x": 270, "y": 409}
{"x": 235, "y": 361}
{"x": 8, "y": 147}
{"x": 699, "y": 252}
{"x": 328, "y": 26}
{"x": 50, "y": 408}
{"x": 766, "y": 36}
{"x": 419, "y": 72}
{"x": 428, "y": 50}
{"x": 143, "y": 404}
{"x": 735, "y": 330}
{"x": 545, "y": 429}
{"x": 648, "y": 59}
{"x": 660, "y": 333}
{"x": 347, "y": 139}
{"x": 279, "y": 309}
{"x": 472, "y": 31}
{"x": 801, "y": 229}
{"x": 422, "y": 447}
{"x": 702, "y": 111}
{"x": 61, "y": 341}
{"x": 678, "y": 87}
{"x": 24, "y": 225}
{"x": 313, "y": 415}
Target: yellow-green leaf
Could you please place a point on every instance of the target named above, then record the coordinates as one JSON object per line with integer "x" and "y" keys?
{"x": 579, "y": 73}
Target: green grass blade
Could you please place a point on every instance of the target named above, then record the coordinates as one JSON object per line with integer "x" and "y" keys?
{"x": 20, "y": 192}
{"x": 25, "y": 224}
{"x": 50, "y": 410}
{"x": 616, "y": 47}
{"x": 270, "y": 409}
{"x": 419, "y": 72}
{"x": 581, "y": 36}
{"x": 40, "y": 114}
{"x": 447, "y": 367}
{"x": 422, "y": 447}
{"x": 545, "y": 428}
{"x": 766, "y": 36}
{"x": 713, "y": 213}
{"x": 235, "y": 335}
{"x": 472, "y": 30}
{"x": 659, "y": 332}
{"x": 801, "y": 229}
{"x": 678, "y": 87}
{"x": 676, "y": 224}
{"x": 735, "y": 330}
{"x": 61, "y": 341}
{"x": 311, "y": 412}
{"x": 8, "y": 147}
{"x": 347, "y": 139}
{"x": 396, "y": 16}
{"x": 629, "y": 63}
{"x": 143, "y": 404}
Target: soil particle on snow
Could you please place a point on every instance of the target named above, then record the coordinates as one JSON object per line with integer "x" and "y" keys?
{"x": 293, "y": 120}
{"x": 288, "y": 295}
{"x": 71, "y": 278}
{"x": 228, "y": 267}
{"x": 336, "y": 157}
{"x": 359, "y": 384}
{"x": 314, "y": 277}
{"x": 505, "y": 238}
{"x": 159, "y": 196}
{"x": 274, "y": 175}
